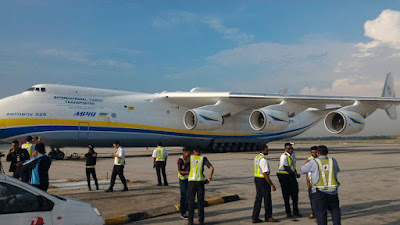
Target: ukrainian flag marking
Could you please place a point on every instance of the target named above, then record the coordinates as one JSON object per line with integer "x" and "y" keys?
{"x": 103, "y": 114}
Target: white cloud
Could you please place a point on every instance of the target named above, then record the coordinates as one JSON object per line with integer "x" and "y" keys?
{"x": 84, "y": 57}
{"x": 233, "y": 34}
{"x": 385, "y": 28}
{"x": 173, "y": 19}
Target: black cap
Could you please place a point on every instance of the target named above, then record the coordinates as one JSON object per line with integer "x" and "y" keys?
{"x": 91, "y": 147}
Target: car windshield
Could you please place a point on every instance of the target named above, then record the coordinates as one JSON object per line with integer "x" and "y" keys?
{"x": 30, "y": 89}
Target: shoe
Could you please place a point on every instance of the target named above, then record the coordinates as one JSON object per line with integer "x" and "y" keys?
{"x": 256, "y": 221}
{"x": 311, "y": 216}
{"x": 109, "y": 190}
{"x": 297, "y": 215}
{"x": 184, "y": 216}
{"x": 166, "y": 184}
{"x": 89, "y": 189}
{"x": 289, "y": 215}
{"x": 159, "y": 184}
{"x": 125, "y": 189}
{"x": 97, "y": 188}
{"x": 272, "y": 220}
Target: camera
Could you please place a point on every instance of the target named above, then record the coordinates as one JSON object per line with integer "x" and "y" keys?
{"x": 2, "y": 154}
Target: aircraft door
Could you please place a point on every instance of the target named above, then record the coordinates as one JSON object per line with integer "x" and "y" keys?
{"x": 83, "y": 131}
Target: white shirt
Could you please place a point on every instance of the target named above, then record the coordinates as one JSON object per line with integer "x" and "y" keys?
{"x": 264, "y": 165}
{"x": 284, "y": 162}
{"x": 155, "y": 153}
{"x": 121, "y": 153}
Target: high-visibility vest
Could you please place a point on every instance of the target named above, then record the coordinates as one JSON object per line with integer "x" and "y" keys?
{"x": 160, "y": 154}
{"x": 90, "y": 167}
{"x": 327, "y": 178}
{"x": 119, "y": 160}
{"x": 257, "y": 168}
{"x": 292, "y": 166}
{"x": 28, "y": 146}
{"x": 196, "y": 168}
{"x": 180, "y": 176}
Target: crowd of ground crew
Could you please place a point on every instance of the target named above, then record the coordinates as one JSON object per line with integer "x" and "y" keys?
{"x": 30, "y": 164}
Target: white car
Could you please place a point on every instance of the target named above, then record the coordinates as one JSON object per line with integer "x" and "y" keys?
{"x": 20, "y": 204}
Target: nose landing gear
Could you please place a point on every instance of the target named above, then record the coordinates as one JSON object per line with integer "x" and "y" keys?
{"x": 56, "y": 153}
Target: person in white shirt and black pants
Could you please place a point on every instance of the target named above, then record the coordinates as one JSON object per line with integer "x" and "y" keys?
{"x": 159, "y": 156}
{"x": 119, "y": 163}
{"x": 263, "y": 187}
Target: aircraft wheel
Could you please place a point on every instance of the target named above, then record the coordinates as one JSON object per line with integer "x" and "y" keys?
{"x": 60, "y": 155}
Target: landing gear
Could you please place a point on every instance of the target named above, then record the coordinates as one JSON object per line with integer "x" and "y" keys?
{"x": 234, "y": 147}
{"x": 56, "y": 153}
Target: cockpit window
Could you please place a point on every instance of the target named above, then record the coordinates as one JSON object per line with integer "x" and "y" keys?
{"x": 30, "y": 89}
{"x": 36, "y": 89}
{"x": 43, "y": 89}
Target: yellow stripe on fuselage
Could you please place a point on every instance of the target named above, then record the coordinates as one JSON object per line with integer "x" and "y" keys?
{"x": 37, "y": 122}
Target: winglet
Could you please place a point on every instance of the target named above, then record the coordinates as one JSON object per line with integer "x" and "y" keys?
{"x": 388, "y": 91}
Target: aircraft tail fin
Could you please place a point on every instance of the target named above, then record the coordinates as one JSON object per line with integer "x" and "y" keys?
{"x": 283, "y": 91}
{"x": 388, "y": 91}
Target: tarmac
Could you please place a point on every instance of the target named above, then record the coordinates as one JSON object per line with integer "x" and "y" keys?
{"x": 369, "y": 177}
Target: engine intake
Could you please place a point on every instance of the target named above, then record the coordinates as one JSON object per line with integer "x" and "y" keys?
{"x": 268, "y": 120}
{"x": 200, "y": 119}
{"x": 344, "y": 122}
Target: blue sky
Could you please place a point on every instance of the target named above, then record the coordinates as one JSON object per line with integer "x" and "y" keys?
{"x": 310, "y": 47}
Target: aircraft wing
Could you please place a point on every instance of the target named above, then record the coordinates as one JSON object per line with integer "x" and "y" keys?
{"x": 259, "y": 100}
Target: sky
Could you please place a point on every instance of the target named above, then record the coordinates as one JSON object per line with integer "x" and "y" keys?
{"x": 309, "y": 47}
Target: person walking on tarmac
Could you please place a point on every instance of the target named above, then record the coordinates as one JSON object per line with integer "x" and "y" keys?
{"x": 263, "y": 187}
{"x": 91, "y": 157}
{"x": 183, "y": 174}
{"x": 39, "y": 166}
{"x": 17, "y": 156}
{"x": 313, "y": 152}
{"x": 119, "y": 163}
{"x": 287, "y": 176}
{"x": 196, "y": 183}
{"x": 160, "y": 156}
{"x": 325, "y": 186}
{"x": 29, "y": 145}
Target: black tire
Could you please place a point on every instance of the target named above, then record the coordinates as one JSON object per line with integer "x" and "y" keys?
{"x": 60, "y": 155}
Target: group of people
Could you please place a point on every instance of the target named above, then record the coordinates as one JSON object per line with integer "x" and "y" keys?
{"x": 322, "y": 184}
{"x": 30, "y": 163}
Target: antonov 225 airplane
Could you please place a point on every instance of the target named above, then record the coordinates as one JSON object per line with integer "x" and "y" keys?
{"x": 220, "y": 121}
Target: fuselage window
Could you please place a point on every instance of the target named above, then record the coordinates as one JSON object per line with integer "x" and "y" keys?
{"x": 30, "y": 89}
{"x": 43, "y": 89}
{"x": 36, "y": 89}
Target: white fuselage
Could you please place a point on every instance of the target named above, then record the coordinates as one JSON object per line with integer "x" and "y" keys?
{"x": 77, "y": 116}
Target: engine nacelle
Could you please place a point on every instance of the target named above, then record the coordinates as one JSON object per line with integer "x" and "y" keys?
{"x": 344, "y": 122}
{"x": 201, "y": 119}
{"x": 268, "y": 120}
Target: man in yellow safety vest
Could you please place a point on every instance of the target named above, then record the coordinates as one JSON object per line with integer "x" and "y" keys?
{"x": 263, "y": 187}
{"x": 196, "y": 183}
{"x": 183, "y": 175}
{"x": 287, "y": 176}
{"x": 29, "y": 146}
{"x": 118, "y": 169}
{"x": 324, "y": 186}
{"x": 160, "y": 156}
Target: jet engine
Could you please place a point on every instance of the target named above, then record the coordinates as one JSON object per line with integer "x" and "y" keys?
{"x": 265, "y": 119}
{"x": 344, "y": 122}
{"x": 201, "y": 119}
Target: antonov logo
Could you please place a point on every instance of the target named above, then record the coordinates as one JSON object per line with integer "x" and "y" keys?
{"x": 88, "y": 114}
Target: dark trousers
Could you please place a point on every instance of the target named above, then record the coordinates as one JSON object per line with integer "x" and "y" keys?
{"x": 196, "y": 187}
{"x": 43, "y": 187}
{"x": 118, "y": 170}
{"x": 93, "y": 172}
{"x": 290, "y": 189}
{"x": 183, "y": 184}
{"x": 323, "y": 202}
{"x": 19, "y": 173}
{"x": 311, "y": 201}
{"x": 263, "y": 191}
{"x": 160, "y": 167}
